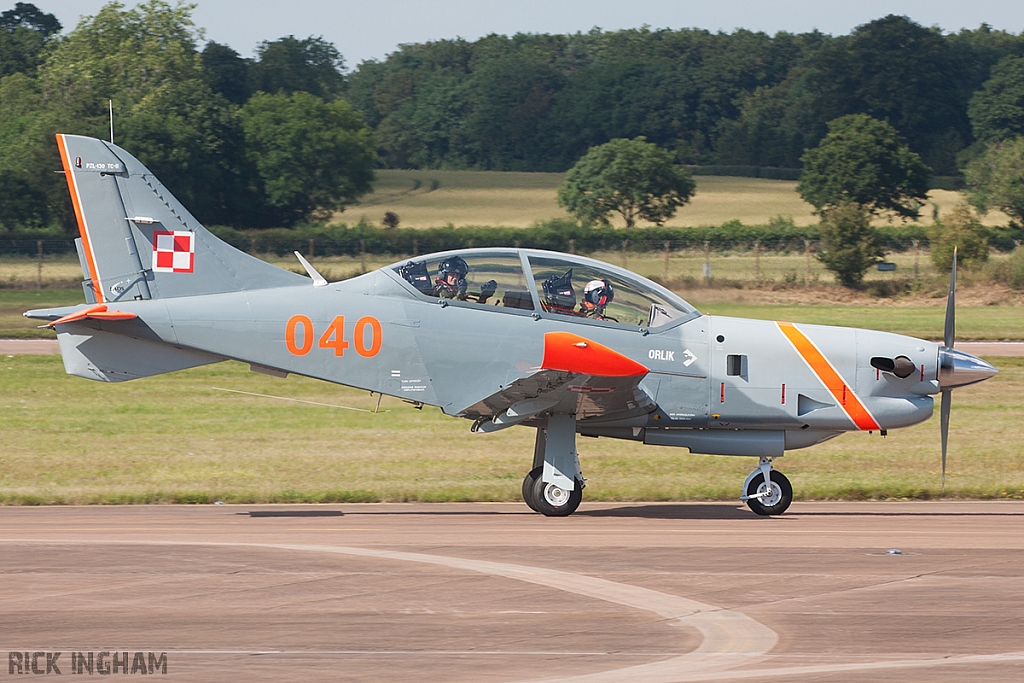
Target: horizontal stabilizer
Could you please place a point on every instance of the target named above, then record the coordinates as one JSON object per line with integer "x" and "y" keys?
{"x": 107, "y": 357}
{"x": 97, "y": 312}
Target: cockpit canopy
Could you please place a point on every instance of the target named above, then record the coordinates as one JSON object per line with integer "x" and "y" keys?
{"x": 546, "y": 282}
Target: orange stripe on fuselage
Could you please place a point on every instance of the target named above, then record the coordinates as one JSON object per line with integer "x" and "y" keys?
{"x": 829, "y": 376}
{"x": 83, "y": 230}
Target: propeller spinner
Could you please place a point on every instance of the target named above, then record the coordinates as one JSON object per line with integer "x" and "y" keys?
{"x": 956, "y": 368}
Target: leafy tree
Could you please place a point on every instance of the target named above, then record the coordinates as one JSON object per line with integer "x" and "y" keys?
{"x": 995, "y": 180}
{"x": 193, "y": 141}
{"x": 513, "y": 96}
{"x": 863, "y": 161}
{"x": 849, "y": 245}
{"x": 290, "y": 65}
{"x": 32, "y": 195}
{"x": 165, "y": 113}
{"x": 121, "y": 54}
{"x": 997, "y": 110}
{"x": 24, "y": 206}
{"x": 776, "y": 125}
{"x": 227, "y": 72}
{"x": 963, "y": 230}
{"x": 313, "y": 157}
{"x": 893, "y": 69}
{"x": 633, "y": 178}
{"x": 622, "y": 97}
{"x": 25, "y": 33}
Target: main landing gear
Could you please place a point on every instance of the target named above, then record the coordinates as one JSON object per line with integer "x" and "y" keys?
{"x": 554, "y": 487}
{"x": 766, "y": 490}
{"x": 550, "y": 500}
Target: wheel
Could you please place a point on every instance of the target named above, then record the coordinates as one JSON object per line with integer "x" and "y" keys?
{"x": 529, "y": 481}
{"x": 776, "y": 502}
{"x": 553, "y": 501}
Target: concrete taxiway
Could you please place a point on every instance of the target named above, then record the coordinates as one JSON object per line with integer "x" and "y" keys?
{"x": 492, "y": 592}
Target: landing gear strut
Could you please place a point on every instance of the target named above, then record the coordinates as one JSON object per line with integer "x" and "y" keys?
{"x": 771, "y": 498}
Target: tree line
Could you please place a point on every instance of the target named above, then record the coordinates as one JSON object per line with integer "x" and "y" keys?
{"x": 253, "y": 143}
{"x": 539, "y": 102}
{"x": 290, "y": 136}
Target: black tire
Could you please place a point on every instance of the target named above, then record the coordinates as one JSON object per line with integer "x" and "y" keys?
{"x": 548, "y": 508}
{"x": 785, "y": 496}
{"x": 529, "y": 482}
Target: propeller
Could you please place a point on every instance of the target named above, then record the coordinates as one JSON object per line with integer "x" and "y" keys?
{"x": 956, "y": 368}
{"x": 948, "y": 338}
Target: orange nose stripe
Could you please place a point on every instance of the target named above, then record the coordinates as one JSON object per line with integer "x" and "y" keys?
{"x": 572, "y": 353}
{"x": 832, "y": 380}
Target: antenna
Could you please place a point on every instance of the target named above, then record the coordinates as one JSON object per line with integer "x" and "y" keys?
{"x": 110, "y": 103}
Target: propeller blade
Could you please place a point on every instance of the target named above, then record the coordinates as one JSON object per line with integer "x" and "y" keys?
{"x": 947, "y": 399}
{"x": 950, "y": 330}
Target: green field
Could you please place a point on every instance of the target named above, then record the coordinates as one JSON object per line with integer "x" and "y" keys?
{"x": 972, "y": 322}
{"x": 428, "y": 198}
{"x": 177, "y": 438}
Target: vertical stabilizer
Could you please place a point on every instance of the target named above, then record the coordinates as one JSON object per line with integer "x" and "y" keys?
{"x": 139, "y": 242}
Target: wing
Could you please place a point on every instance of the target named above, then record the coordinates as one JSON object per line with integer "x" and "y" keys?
{"x": 577, "y": 376}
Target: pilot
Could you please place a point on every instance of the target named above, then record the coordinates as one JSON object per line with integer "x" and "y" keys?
{"x": 451, "y": 278}
{"x": 451, "y": 282}
{"x": 596, "y": 295}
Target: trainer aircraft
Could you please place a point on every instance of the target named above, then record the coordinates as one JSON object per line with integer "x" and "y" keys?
{"x": 562, "y": 344}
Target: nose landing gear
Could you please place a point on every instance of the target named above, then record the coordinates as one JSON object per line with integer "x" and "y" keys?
{"x": 767, "y": 491}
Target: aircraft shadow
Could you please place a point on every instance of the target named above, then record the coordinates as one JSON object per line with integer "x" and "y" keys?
{"x": 293, "y": 513}
{"x": 853, "y": 513}
{"x": 688, "y": 511}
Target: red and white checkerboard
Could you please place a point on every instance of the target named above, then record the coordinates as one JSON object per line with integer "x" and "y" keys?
{"x": 173, "y": 251}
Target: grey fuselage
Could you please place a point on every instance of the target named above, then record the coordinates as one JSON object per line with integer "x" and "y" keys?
{"x": 714, "y": 384}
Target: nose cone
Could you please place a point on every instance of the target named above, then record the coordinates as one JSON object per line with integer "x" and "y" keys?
{"x": 958, "y": 369}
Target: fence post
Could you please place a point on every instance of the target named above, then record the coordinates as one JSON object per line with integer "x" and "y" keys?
{"x": 807, "y": 270}
{"x": 362, "y": 256}
{"x": 415, "y": 247}
{"x": 252, "y": 246}
{"x": 310, "y": 247}
{"x": 572, "y": 246}
{"x": 625, "y": 260}
{"x": 39, "y": 263}
{"x": 917, "y": 256}
{"x": 666, "y": 260}
{"x": 707, "y": 261}
{"x": 757, "y": 261}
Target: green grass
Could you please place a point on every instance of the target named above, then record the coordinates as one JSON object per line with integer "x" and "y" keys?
{"x": 14, "y": 302}
{"x": 972, "y": 322}
{"x": 175, "y": 438}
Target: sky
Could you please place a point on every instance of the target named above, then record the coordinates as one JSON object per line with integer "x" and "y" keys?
{"x": 371, "y": 29}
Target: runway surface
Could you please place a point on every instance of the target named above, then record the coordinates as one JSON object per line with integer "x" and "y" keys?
{"x": 49, "y": 346}
{"x": 492, "y": 592}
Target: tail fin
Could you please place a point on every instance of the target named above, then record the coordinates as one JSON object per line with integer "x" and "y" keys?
{"x": 138, "y": 242}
